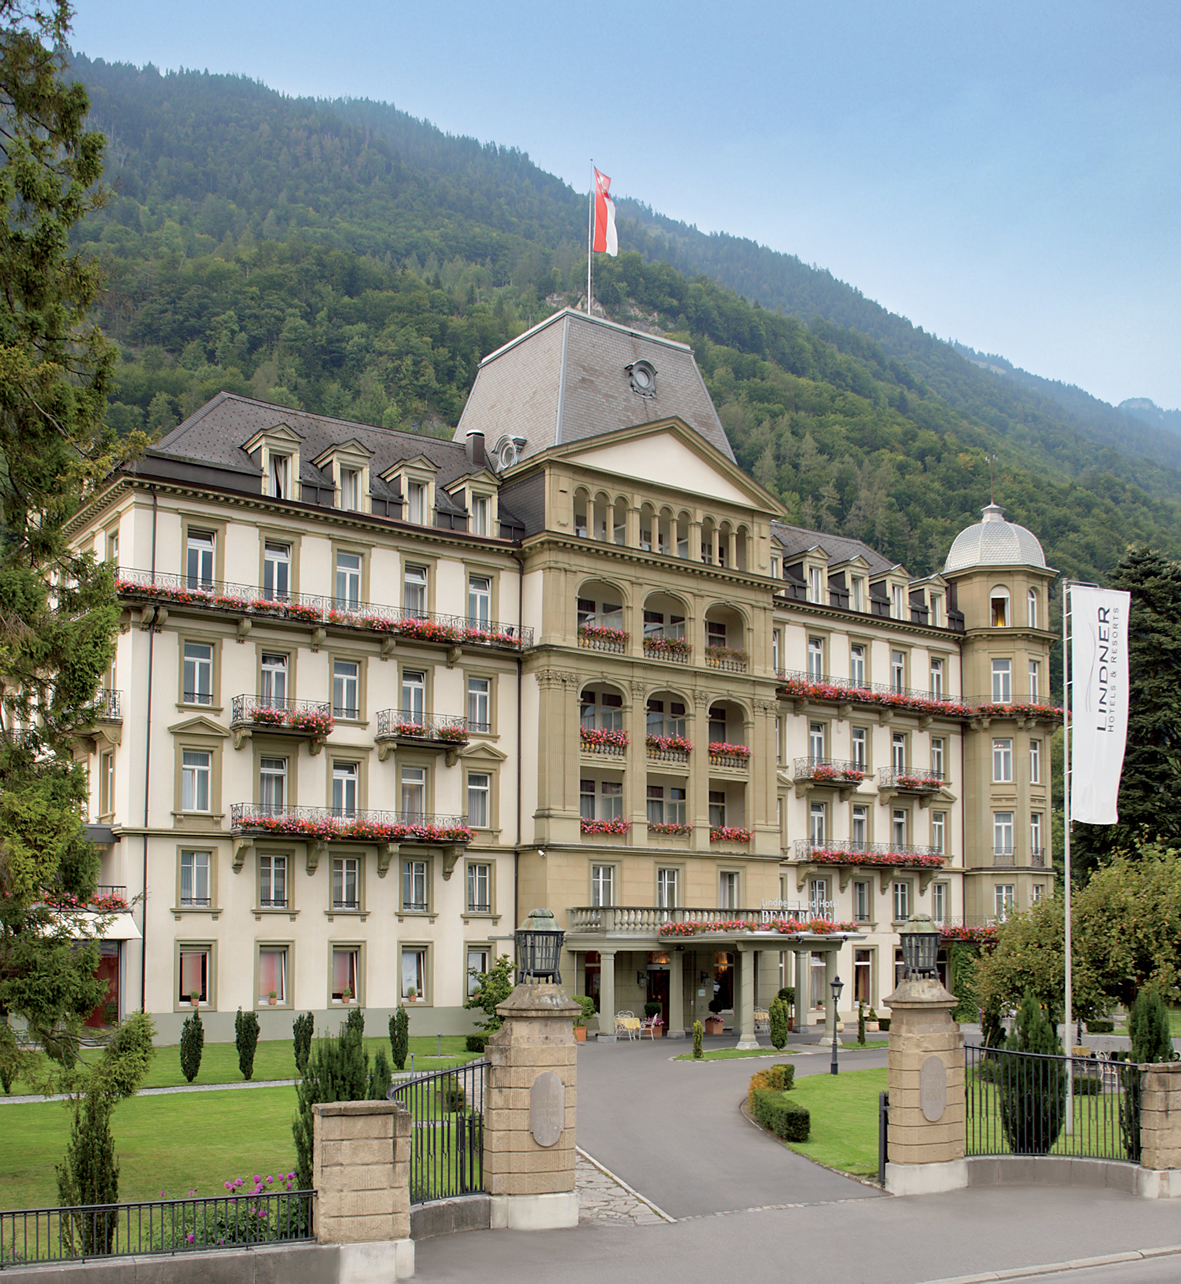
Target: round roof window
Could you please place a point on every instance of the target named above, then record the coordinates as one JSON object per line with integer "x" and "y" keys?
{"x": 642, "y": 377}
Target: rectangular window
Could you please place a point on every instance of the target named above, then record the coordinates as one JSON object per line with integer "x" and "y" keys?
{"x": 194, "y": 879}
{"x": 479, "y": 888}
{"x": 199, "y": 560}
{"x": 345, "y": 974}
{"x": 859, "y": 831}
{"x": 1002, "y": 681}
{"x": 936, "y": 610}
{"x": 857, "y": 665}
{"x": 344, "y": 788}
{"x": 898, "y": 751}
{"x": 728, "y": 889}
{"x": 346, "y": 689}
{"x": 817, "y": 823}
{"x": 350, "y": 490}
{"x": 610, "y": 800}
{"x": 1031, "y": 601}
{"x": 860, "y": 750}
{"x": 857, "y": 594}
{"x": 348, "y": 581}
{"x": 276, "y": 571}
{"x": 861, "y": 902}
{"x": 194, "y": 974}
{"x": 274, "y": 681}
{"x": 414, "y": 886}
{"x": 413, "y": 696}
{"x": 717, "y": 808}
{"x": 897, "y": 670}
{"x": 479, "y": 717}
{"x": 1035, "y": 836}
{"x": 666, "y": 888}
{"x": 479, "y": 601}
{"x": 898, "y": 602}
{"x": 1002, "y": 833}
{"x": 938, "y": 756}
{"x": 345, "y": 876}
{"x": 106, "y": 784}
{"x": 717, "y": 723}
{"x": 816, "y": 741}
{"x": 815, "y": 584}
{"x": 479, "y": 514}
{"x": 278, "y": 477}
{"x": 272, "y": 974}
{"x": 778, "y": 740}
{"x": 272, "y": 785}
{"x": 1035, "y": 681}
{"x": 196, "y": 771}
{"x": 586, "y": 799}
{"x": 901, "y": 902}
{"x": 776, "y": 650}
{"x": 602, "y": 885}
{"x": 1005, "y": 896}
{"x": 1002, "y": 761}
{"x": 655, "y": 804}
{"x": 1035, "y": 762}
{"x": 819, "y": 905}
{"x": 413, "y": 972}
{"x": 198, "y": 675}
{"x": 272, "y": 882}
{"x": 415, "y": 502}
{"x": 479, "y": 792}
{"x": 1036, "y": 892}
{"x": 898, "y": 828}
{"x": 936, "y": 679}
{"x": 479, "y": 959}
{"x": 414, "y": 586}
{"x": 862, "y": 976}
{"x": 816, "y": 659}
{"x": 938, "y": 902}
{"x": 413, "y": 794}
{"x": 939, "y": 831}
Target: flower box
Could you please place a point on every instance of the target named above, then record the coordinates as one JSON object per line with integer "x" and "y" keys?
{"x": 729, "y": 834}
{"x": 713, "y": 1025}
{"x": 594, "y": 737}
{"x": 837, "y": 856}
{"x": 668, "y": 827}
{"x": 669, "y": 744}
{"x": 720, "y": 749}
{"x": 602, "y": 634}
{"x": 618, "y": 825}
{"x": 665, "y": 646}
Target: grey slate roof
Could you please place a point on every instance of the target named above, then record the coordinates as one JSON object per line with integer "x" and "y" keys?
{"x": 796, "y": 540}
{"x": 994, "y": 541}
{"x": 215, "y": 433}
{"x": 566, "y": 380}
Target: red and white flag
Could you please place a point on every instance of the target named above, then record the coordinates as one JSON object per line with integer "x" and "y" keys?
{"x": 606, "y": 241}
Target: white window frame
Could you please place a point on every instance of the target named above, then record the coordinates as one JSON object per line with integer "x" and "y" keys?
{"x": 348, "y": 580}
{"x": 198, "y": 673}
{"x": 346, "y": 689}
{"x": 276, "y": 570}
{"x": 196, "y": 871}
{"x": 1002, "y": 682}
{"x": 1035, "y": 762}
{"x": 272, "y": 877}
{"x": 196, "y": 780}
{"x": 1002, "y": 760}
{"x": 479, "y": 799}
{"x": 346, "y": 883}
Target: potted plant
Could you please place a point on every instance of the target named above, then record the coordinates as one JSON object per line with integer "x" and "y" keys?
{"x": 713, "y": 1022}
{"x": 587, "y": 1014}
{"x": 653, "y": 1011}
{"x": 195, "y": 998}
{"x": 412, "y": 995}
{"x": 788, "y": 994}
{"x": 346, "y": 996}
{"x": 273, "y": 998}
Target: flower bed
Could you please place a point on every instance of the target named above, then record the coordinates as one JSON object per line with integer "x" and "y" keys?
{"x": 616, "y": 826}
{"x": 666, "y": 646}
{"x": 601, "y": 633}
{"x": 601, "y": 736}
{"x": 370, "y": 831}
{"x": 668, "y": 827}
{"x": 839, "y": 856}
{"x": 729, "y": 834}
{"x": 720, "y": 749}
{"x": 669, "y": 744}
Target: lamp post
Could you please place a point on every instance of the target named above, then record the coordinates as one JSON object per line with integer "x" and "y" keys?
{"x": 539, "y": 947}
{"x": 837, "y": 986}
{"x": 920, "y": 946}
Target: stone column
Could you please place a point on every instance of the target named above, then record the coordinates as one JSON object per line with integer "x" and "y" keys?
{"x": 803, "y": 962}
{"x": 529, "y": 1111}
{"x": 361, "y": 1173}
{"x": 1159, "y": 1176}
{"x": 676, "y": 994}
{"x": 830, "y": 1008}
{"x": 746, "y": 996}
{"x": 606, "y": 996}
{"x": 926, "y": 1083}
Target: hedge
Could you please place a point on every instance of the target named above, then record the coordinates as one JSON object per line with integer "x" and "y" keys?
{"x": 779, "y": 1078}
{"x": 477, "y": 1042}
{"x": 1100, "y": 1027}
{"x": 779, "y": 1114}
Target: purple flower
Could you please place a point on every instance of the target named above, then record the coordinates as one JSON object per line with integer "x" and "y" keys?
{"x": 269, "y": 1180}
{"x": 190, "y": 1237}
{"x": 229, "y": 1185}
{"x": 256, "y": 1177}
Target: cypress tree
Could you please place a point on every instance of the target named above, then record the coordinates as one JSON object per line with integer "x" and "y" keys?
{"x": 302, "y": 1029}
{"x": 246, "y": 1040}
{"x": 1032, "y": 1091}
{"x": 1148, "y": 1025}
{"x": 399, "y": 1038}
{"x": 192, "y": 1041}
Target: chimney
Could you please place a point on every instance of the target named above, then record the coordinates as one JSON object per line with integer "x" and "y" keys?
{"x": 475, "y": 447}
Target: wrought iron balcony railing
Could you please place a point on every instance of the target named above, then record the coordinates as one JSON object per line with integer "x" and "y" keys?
{"x": 314, "y": 609}
{"x": 108, "y": 706}
{"x": 825, "y": 686}
{"x": 298, "y": 717}
{"x": 830, "y": 771}
{"x": 851, "y": 852}
{"x": 327, "y": 824}
{"x": 411, "y": 725}
{"x": 910, "y": 780}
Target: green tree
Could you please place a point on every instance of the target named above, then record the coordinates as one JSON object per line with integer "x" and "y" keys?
{"x": 399, "y": 1038}
{"x": 337, "y": 1070}
{"x": 1148, "y": 1026}
{"x": 1032, "y": 1090}
{"x": 302, "y": 1029}
{"x": 192, "y": 1042}
{"x": 494, "y": 986}
{"x": 246, "y": 1030}
{"x": 57, "y": 610}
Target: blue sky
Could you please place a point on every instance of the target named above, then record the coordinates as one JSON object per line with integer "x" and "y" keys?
{"x": 1004, "y": 174}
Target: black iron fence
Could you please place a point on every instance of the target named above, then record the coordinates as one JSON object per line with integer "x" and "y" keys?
{"x": 34, "y": 1235}
{"x": 446, "y": 1132}
{"x": 1016, "y": 1104}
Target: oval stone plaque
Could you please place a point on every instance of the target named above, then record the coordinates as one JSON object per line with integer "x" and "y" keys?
{"x": 933, "y": 1088}
{"x": 547, "y": 1108}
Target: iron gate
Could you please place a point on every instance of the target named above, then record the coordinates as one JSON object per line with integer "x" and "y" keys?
{"x": 446, "y": 1130}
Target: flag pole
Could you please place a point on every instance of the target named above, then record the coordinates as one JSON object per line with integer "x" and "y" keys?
{"x": 590, "y": 236}
{"x": 1068, "y": 1012}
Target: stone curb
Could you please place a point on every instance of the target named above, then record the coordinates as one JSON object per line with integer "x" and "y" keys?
{"x": 1051, "y": 1268}
{"x": 635, "y": 1194}
{"x": 164, "y": 1092}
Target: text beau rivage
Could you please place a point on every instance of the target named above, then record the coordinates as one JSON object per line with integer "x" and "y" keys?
{"x": 605, "y": 241}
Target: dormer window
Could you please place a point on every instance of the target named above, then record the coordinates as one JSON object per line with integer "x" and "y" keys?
{"x": 350, "y": 489}
{"x": 816, "y": 585}
{"x": 277, "y": 451}
{"x": 415, "y": 502}
{"x": 279, "y": 475}
{"x": 936, "y": 610}
{"x": 857, "y": 593}
{"x": 898, "y": 602}
{"x": 999, "y": 608}
{"x": 775, "y": 568}
{"x": 480, "y": 506}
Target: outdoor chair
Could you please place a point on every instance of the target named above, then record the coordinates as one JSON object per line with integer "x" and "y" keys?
{"x": 626, "y": 1023}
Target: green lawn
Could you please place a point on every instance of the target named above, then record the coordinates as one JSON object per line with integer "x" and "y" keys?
{"x": 275, "y": 1059}
{"x": 844, "y": 1110}
{"x": 173, "y": 1143}
{"x": 731, "y": 1054}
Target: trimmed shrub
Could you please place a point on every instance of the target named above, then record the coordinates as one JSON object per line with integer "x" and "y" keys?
{"x": 780, "y": 1015}
{"x": 354, "y": 1022}
{"x": 400, "y": 1038}
{"x": 883, "y": 1023}
{"x": 90, "y": 1173}
{"x": 477, "y": 1042}
{"x": 246, "y": 1040}
{"x": 777, "y": 1078}
{"x": 698, "y": 1037}
{"x": 653, "y": 1008}
{"x": 337, "y": 1070}
{"x": 379, "y": 1078}
{"x": 1100, "y": 1027}
{"x": 861, "y": 1023}
{"x": 192, "y": 1042}
{"x": 779, "y": 1114}
{"x": 587, "y": 1004}
{"x": 1148, "y": 1026}
{"x": 1032, "y": 1092}
{"x": 302, "y": 1029}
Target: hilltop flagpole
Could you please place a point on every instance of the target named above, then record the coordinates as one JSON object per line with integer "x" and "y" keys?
{"x": 590, "y": 236}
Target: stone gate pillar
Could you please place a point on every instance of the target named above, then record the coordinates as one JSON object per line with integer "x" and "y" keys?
{"x": 926, "y": 1084}
{"x": 530, "y": 1110}
{"x": 1159, "y": 1176}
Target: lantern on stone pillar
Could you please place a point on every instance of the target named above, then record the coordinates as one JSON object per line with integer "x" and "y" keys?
{"x": 539, "y": 947}
{"x": 920, "y": 946}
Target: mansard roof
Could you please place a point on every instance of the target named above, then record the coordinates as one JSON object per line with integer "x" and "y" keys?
{"x": 795, "y": 541}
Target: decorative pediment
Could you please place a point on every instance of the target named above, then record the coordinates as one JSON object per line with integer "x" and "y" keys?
{"x": 482, "y": 753}
{"x": 199, "y": 726}
{"x": 279, "y": 434}
{"x": 352, "y": 450}
{"x": 481, "y": 478}
{"x": 416, "y": 464}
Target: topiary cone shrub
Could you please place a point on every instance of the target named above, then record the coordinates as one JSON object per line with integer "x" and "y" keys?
{"x": 399, "y": 1038}
{"x": 302, "y": 1030}
{"x": 1032, "y": 1091}
{"x": 698, "y": 1038}
{"x": 192, "y": 1043}
{"x": 246, "y": 1040}
{"x": 780, "y": 1015}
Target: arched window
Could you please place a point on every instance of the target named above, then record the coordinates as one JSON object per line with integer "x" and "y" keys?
{"x": 1032, "y": 599}
{"x": 999, "y": 608}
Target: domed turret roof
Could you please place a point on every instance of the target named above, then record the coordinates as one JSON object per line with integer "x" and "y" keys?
{"x": 993, "y": 541}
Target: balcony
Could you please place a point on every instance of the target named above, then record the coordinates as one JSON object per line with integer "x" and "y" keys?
{"x": 729, "y": 757}
{"x": 309, "y": 720}
{"x": 108, "y": 706}
{"x": 602, "y": 742}
{"x": 661, "y": 646}
{"x": 882, "y": 856}
{"x": 827, "y": 773}
{"x": 1038, "y": 858}
{"x": 440, "y": 732}
{"x": 319, "y": 826}
{"x": 668, "y": 749}
{"x": 730, "y": 659}
{"x": 598, "y": 637}
{"x": 1026, "y": 713}
{"x": 246, "y": 603}
{"x": 652, "y": 921}
{"x": 104, "y": 718}
{"x": 920, "y": 782}
{"x": 1004, "y": 857}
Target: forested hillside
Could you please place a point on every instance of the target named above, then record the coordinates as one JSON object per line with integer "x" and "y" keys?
{"x": 348, "y": 259}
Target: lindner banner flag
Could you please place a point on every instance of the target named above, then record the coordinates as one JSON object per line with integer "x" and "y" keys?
{"x": 605, "y": 240}
{"x": 1099, "y": 701}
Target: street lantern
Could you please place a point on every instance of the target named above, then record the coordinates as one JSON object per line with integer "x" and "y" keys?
{"x": 920, "y": 946}
{"x": 539, "y": 947}
{"x": 837, "y": 986}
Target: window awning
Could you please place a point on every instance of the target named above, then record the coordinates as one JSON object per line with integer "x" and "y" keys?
{"x": 118, "y": 927}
